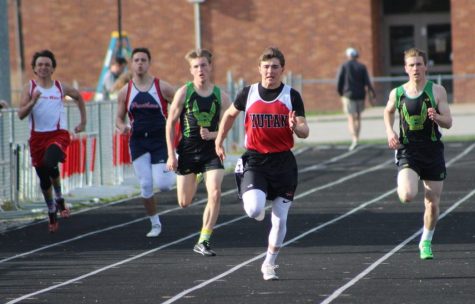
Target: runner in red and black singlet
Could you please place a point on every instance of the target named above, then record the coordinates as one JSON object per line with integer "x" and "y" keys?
{"x": 274, "y": 112}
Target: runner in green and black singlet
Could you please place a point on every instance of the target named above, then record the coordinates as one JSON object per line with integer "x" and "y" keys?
{"x": 199, "y": 112}
{"x": 198, "y": 105}
{"x": 415, "y": 125}
{"x": 423, "y": 108}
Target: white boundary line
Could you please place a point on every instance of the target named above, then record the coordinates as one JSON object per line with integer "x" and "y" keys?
{"x": 237, "y": 267}
{"x": 362, "y": 274}
{"x": 199, "y": 202}
{"x": 341, "y": 180}
{"x": 340, "y": 290}
{"x": 81, "y": 236}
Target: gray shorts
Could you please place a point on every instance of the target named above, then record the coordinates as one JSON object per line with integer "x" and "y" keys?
{"x": 352, "y": 106}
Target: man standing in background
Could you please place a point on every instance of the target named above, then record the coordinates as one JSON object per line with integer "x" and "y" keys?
{"x": 353, "y": 81}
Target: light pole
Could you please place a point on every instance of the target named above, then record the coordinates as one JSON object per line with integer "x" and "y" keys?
{"x": 5, "y": 90}
{"x": 196, "y": 4}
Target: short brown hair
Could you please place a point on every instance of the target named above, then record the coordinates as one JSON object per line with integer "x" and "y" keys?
{"x": 272, "y": 52}
{"x": 199, "y": 53}
{"x": 142, "y": 50}
{"x": 415, "y": 52}
{"x": 43, "y": 53}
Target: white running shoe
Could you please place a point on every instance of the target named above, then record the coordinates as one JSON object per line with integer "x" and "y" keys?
{"x": 155, "y": 231}
{"x": 268, "y": 272}
{"x": 261, "y": 216}
{"x": 353, "y": 146}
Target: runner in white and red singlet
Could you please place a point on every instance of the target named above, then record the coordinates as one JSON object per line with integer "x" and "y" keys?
{"x": 42, "y": 101}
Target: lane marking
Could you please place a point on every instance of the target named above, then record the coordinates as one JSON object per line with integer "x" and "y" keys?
{"x": 362, "y": 274}
{"x": 340, "y": 290}
{"x": 82, "y": 236}
{"x": 237, "y": 267}
{"x": 41, "y": 291}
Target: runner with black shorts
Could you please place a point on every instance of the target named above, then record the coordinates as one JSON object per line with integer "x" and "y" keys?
{"x": 268, "y": 169}
{"x": 423, "y": 108}
{"x": 198, "y": 105}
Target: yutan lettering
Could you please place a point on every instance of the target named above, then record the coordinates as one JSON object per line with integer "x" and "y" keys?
{"x": 257, "y": 120}
{"x": 269, "y": 120}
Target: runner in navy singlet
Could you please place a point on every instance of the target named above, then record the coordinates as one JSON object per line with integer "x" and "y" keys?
{"x": 274, "y": 112}
{"x": 198, "y": 105}
{"x": 423, "y": 108}
{"x": 42, "y": 102}
{"x": 145, "y": 100}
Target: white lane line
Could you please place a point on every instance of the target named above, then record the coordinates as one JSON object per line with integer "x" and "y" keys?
{"x": 237, "y": 267}
{"x": 340, "y": 290}
{"x": 16, "y": 300}
{"x": 199, "y": 202}
{"x": 82, "y": 236}
{"x": 362, "y": 274}
{"x": 332, "y": 160}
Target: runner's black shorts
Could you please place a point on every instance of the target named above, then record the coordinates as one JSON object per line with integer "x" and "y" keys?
{"x": 426, "y": 159}
{"x": 198, "y": 162}
{"x": 276, "y": 174}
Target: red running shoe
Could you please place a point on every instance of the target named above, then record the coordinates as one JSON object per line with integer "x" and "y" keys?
{"x": 63, "y": 208}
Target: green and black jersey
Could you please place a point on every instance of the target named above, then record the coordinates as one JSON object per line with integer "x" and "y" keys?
{"x": 199, "y": 111}
{"x": 414, "y": 124}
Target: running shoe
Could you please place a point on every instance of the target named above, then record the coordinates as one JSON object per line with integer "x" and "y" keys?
{"x": 268, "y": 272}
{"x": 155, "y": 231}
{"x": 426, "y": 250}
{"x": 53, "y": 225}
{"x": 353, "y": 146}
{"x": 204, "y": 248}
{"x": 63, "y": 208}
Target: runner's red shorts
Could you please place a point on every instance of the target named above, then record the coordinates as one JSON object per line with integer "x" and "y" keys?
{"x": 40, "y": 141}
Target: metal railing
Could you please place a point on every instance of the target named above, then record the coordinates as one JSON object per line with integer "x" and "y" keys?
{"x": 95, "y": 157}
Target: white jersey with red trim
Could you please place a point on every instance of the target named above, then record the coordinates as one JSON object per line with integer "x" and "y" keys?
{"x": 49, "y": 113}
{"x": 267, "y": 122}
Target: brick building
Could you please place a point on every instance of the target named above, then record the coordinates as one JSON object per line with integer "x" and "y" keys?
{"x": 313, "y": 35}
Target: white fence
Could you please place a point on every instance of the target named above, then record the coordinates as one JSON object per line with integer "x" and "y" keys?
{"x": 98, "y": 156}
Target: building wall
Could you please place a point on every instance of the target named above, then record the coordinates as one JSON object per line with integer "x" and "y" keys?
{"x": 312, "y": 34}
{"x": 463, "y": 45}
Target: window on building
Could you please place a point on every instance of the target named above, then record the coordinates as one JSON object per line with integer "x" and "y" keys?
{"x": 391, "y": 7}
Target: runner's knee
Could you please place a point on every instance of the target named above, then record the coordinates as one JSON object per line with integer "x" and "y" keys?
{"x": 165, "y": 180}
{"x": 53, "y": 155}
{"x": 146, "y": 187}
{"x": 254, "y": 201}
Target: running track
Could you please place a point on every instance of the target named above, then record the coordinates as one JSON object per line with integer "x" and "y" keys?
{"x": 349, "y": 240}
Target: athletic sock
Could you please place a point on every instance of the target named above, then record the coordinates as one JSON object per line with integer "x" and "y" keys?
{"x": 271, "y": 257}
{"x": 57, "y": 191}
{"x": 51, "y": 206}
{"x": 205, "y": 235}
{"x": 426, "y": 235}
{"x": 155, "y": 220}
